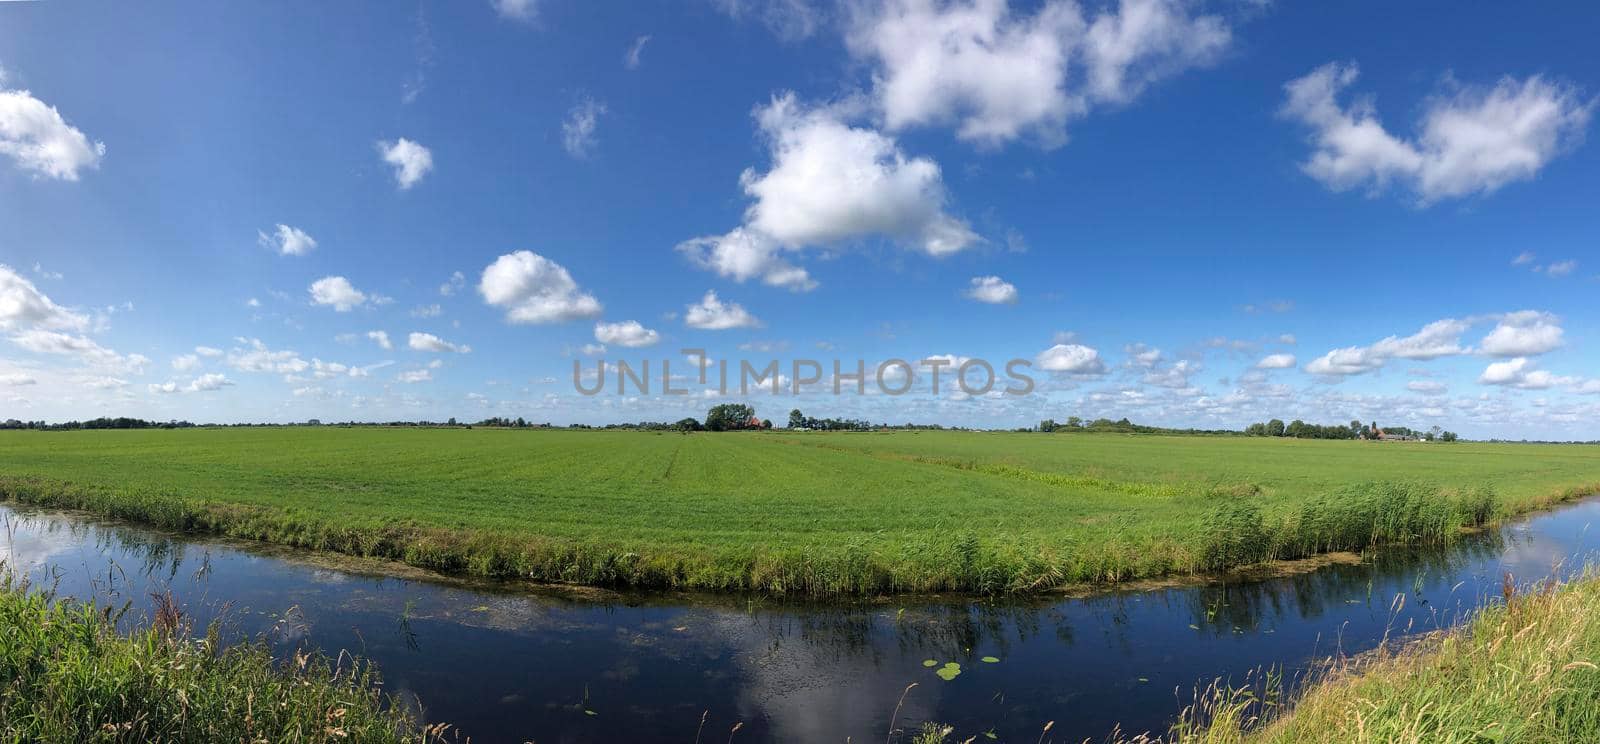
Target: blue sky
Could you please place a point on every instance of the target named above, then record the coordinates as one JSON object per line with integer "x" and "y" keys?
{"x": 1317, "y": 211}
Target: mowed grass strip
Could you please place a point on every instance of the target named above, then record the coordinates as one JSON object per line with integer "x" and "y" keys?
{"x": 809, "y": 513}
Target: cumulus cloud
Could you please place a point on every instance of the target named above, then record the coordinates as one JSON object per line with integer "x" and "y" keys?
{"x": 286, "y": 240}
{"x": 713, "y": 314}
{"x": 578, "y": 130}
{"x": 22, "y": 305}
{"x": 628, "y": 333}
{"x": 381, "y": 338}
{"x": 993, "y": 290}
{"x": 35, "y": 136}
{"x": 1523, "y": 333}
{"x": 1074, "y": 359}
{"x": 998, "y": 75}
{"x": 1440, "y": 338}
{"x": 210, "y": 381}
{"x": 336, "y": 292}
{"x": 185, "y": 362}
{"x": 255, "y": 356}
{"x": 17, "y": 379}
{"x": 534, "y": 289}
{"x": 830, "y": 183}
{"x": 429, "y": 342}
{"x": 414, "y": 376}
{"x": 1473, "y": 140}
{"x": 411, "y": 160}
{"x": 1520, "y": 373}
{"x": 1276, "y": 361}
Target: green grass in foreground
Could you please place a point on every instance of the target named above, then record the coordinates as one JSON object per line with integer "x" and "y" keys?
{"x": 67, "y": 676}
{"x": 1527, "y": 671}
{"x": 808, "y": 513}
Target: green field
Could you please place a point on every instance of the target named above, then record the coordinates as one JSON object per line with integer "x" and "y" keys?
{"x": 813, "y": 513}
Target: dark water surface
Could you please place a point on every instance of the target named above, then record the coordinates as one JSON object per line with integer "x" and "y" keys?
{"x": 507, "y": 664}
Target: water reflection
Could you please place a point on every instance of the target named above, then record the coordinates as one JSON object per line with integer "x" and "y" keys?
{"x": 507, "y": 664}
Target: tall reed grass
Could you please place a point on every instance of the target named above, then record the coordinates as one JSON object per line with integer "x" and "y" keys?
{"x": 67, "y": 675}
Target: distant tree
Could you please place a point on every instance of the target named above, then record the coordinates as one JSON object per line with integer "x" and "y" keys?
{"x": 1047, "y": 425}
{"x": 797, "y": 420}
{"x": 1074, "y": 422}
{"x": 766, "y": 423}
{"x": 451, "y": 422}
{"x": 1448, "y": 436}
{"x": 1296, "y": 429}
{"x": 729, "y": 417}
{"x": 1275, "y": 428}
{"x": 687, "y": 425}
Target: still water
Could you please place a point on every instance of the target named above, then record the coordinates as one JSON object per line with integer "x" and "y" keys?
{"x": 508, "y": 663}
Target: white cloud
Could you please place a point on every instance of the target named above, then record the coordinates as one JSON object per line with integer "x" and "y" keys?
{"x": 630, "y": 60}
{"x": 208, "y": 352}
{"x": 254, "y": 356}
{"x": 40, "y": 272}
{"x": 454, "y": 284}
{"x": 534, "y": 289}
{"x": 627, "y": 333}
{"x": 790, "y": 20}
{"x": 712, "y": 314}
{"x": 1520, "y": 373}
{"x": 210, "y": 381}
{"x": 1440, "y": 338}
{"x": 411, "y": 161}
{"x": 427, "y": 311}
{"x": 1427, "y": 387}
{"x": 830, "y": 183}
{"x": 93, "y": 354}
{"x": 1523, "y": 258}
{"x": 1473, "y": 141}
{"x": 429, "y": 342}
{"x": 33, "y": 134}
{"x": 1276, "y": 361}
{"x": 993, "y": 290}
{"x": 22, "y": 305}
{"x": 1561, "y": 268}
{"x": 526, "y": 11}
{"x": 1523, "y": 333}
{"x": 578, "y": 130}
{"x": 286, "y": 240}
{"x": 17, "y": 379}
{"x": 417, "y": 375}
{"x": 592, "y": 349}
{"x": 1000, "y": 75}
{"x": 337, "y": 292}
{"x": 382, "y": 339}
{"x": 1073, "y": 359}
{"x": 1351, "y": 360}
{"x": 746, "y": 254}
{"x": 185, "y": 362}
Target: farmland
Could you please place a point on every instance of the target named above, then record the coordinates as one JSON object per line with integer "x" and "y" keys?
{"x": 798, "y": 513}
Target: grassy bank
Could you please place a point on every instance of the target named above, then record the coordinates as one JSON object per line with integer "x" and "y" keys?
{"x": 809, "y": 513}
{"x": 66, "y": 675}
{"x": 1526, "y": 671}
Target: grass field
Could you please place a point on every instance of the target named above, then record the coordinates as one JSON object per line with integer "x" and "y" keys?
{"x": 801, "y": 512}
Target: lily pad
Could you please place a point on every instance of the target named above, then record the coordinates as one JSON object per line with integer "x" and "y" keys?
{"x": 929, "y": 663}
{"x": 990, "y": 660}
{"x": 949, "y": 671}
